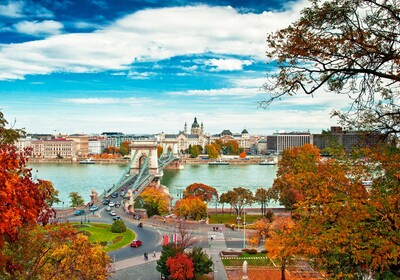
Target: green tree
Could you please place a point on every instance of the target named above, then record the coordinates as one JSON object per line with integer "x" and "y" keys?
{"x": 232, "y": 147}
{"x": 167, "y": 251}
{"x": 202, "y": 263}
{"x": 76, "y": 199}
{"x": 118, "y": 226}
{"x": 195, "y": 151}
{"x": 238, "y": 198}
{"x": 345, "y": 47}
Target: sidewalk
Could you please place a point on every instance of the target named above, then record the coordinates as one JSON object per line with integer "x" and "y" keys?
{"x": 217, "y": 245}
{"x": 133, "y": 262}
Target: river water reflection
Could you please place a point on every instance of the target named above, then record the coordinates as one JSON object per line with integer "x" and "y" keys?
{"x": 83, "y": 178}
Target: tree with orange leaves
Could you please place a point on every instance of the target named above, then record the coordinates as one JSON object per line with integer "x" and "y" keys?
{"x": 204, "y": 192}
{"x": 55, "y": 251}
{"x": 156, "y": 201}
{"x": 279, "y": 244}
{"x": 181, "y": 267}
{"x": 191, "y": 207}
{"x": 296, "y": 169}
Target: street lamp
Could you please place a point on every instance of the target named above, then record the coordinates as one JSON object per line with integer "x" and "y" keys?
{"x": 244, "y": 227}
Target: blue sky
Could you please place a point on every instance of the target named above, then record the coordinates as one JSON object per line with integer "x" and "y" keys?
{"x": 88, "y": 66}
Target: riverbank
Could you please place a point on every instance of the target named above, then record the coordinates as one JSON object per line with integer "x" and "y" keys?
{"x": 76, "y": 161}
{"x": 189, "y": 161}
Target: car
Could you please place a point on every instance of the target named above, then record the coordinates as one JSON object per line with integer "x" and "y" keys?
{"x": 116, "y": 218}
{"x": 118, "y": 203}
{"x": 111, "y": 204}
{"x": 106, "y": 201}
{"x": 79, "y": 212}
{"x": 136, "y": 243}
{"x": 94, "y": 208}
{"x": 113, "y": 213}
{"x": 114, "y": 195}
{"x": 108, "y": 208}
{"x": 122, "y": 193}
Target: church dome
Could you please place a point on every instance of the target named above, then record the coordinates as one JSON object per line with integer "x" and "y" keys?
{"x": 245, "y": 131}
{"x": 195, "y": 123}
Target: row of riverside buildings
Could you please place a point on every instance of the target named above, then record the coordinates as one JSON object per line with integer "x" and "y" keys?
{"x": 80, "y": 145}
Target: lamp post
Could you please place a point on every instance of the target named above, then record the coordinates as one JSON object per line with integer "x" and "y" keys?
{"x": 244, "y": 227}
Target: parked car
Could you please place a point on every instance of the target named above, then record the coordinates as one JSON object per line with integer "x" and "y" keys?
{"x": 108, "y": 208}
{"x": 94, "y": 208}
{"x": 111, "y": 204}
{"x": 113, "y": 213}
{"x": 116, "y": 218}
{"x": 79, "y": 212}
{"x": 136, "y": 243}
{"x": 114, "y": 195}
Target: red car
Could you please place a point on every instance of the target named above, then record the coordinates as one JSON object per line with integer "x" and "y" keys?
{"x": 136, "y": 243}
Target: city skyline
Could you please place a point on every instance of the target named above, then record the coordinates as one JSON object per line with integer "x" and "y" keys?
{"x": 145, "y": 67}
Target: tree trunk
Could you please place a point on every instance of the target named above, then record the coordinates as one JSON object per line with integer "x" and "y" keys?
{"x": 283, "y": 268}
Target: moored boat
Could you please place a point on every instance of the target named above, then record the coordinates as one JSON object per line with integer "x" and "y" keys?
{"x": 87, "y": 161}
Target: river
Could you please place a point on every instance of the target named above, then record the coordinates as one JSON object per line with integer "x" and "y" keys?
{"x": 82, "y": 178}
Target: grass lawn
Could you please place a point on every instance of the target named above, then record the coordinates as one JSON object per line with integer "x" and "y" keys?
{"x": 227, "y": 218}
{"x": 249, "y": 258}
{"x": 101, "y": 233}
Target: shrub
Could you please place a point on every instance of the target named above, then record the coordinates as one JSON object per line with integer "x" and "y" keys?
{"x": 103, "y": 243}
{"x": 118, "y": 226}
{"x": 264, "y": 251}
{"x": 252, "y": 251}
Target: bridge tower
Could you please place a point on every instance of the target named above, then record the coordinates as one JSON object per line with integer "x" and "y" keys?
{"x": 142, "y": 150}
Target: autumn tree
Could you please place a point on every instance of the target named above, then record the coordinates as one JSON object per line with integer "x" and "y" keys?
{"x": 55, "y": 251}
{"x": 232, "y": 147}
{"x": 156, "y": 201}
{"x": 262, "y": 228}
{"x": 243, "y": 155}
{"x": 263, "y": 196}
{"x": 180, "y": 267}
{"x": 124, "y": 148}
{"x": 296, "y": 170}
{"x": 24, "y": 202}
{"x": 204, "y": 192}
{"x": 76, "y": 199}
{"x": 191, "y": 207}
{"x": 238, "y": 198}
{"x": 279, "y": 244}
{"x": 167, "y": 251}
{"x": 345, "y": 47}
{"x": 212, "y": 151}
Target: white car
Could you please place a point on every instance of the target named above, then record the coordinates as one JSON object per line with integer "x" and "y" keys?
{"x": 108, "y": 208}
{"x": 111, "y": 204}
{"x": 113, "y": 213}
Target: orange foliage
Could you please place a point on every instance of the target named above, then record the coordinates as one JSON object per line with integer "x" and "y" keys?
{"x": 181, "y": 267}
{"x": 157, "y": 198}
{"x": 23, "y": 201}
{"x": 204, "y": 192}
{"x": 243, "y": 155}
{"x": 191, "y": 207}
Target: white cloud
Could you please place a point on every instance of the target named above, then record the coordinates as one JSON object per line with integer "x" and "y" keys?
{"x": 227, "y": 64}
{"x": 106, "y": 101}
{"x": 237, "y": 92}
{"x": 148, "y": 35}
{"x": 249, "y": 82}
{"x": 39, "y": 28}
{"x": 19, "y": 9}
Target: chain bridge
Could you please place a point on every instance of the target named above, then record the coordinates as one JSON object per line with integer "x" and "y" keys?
{"x": 145, "y": 168}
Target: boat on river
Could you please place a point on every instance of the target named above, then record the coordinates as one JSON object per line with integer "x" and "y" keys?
{"x": 87, "y": 161}
{"x": 218, "y": 162}
{"x": 267, "y": 162}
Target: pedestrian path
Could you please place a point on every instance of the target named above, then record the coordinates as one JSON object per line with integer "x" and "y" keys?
{"x": 216, "y": 245}
{"x": 134, "y": 261}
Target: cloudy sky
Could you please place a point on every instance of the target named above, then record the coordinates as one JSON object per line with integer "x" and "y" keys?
{"x": 146, "y": 66}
